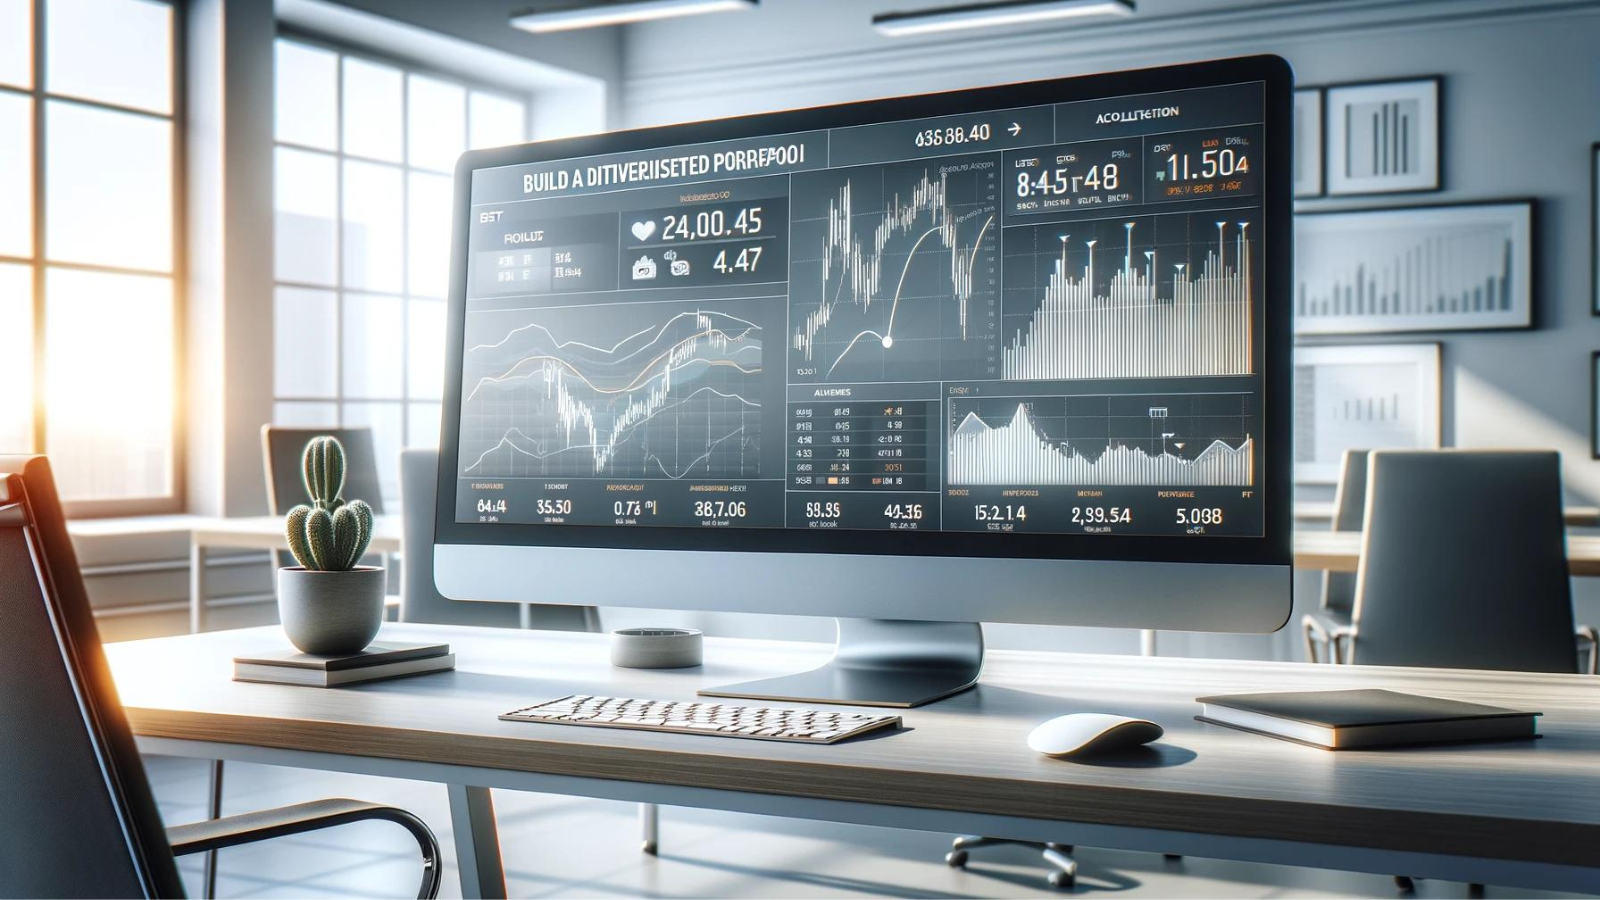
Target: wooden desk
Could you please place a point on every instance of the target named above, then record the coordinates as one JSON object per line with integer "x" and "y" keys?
{"x": 257, "y": 533}
{"x": 1321, "y": 511}
{"x": 1517, "y": 813}
{"x": 1340, "y": 551}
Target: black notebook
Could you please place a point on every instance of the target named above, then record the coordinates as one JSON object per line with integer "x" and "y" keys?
{"x": 377, "y": 653}
{"x": 1359, "y": 719}
{"x": 378, "y": 661}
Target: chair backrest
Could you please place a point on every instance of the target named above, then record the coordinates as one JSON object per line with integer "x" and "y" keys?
{"x": 420, "y": 600}
{"x": 77, "y": 818}
{"x": 1464, "y": 564}
{"x": 281, "y": 451}
{"x": 1349, "y": 513}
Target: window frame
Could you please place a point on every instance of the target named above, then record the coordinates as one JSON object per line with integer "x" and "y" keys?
{"x": 343, "y": 50}
{"x": 39, "y": 263}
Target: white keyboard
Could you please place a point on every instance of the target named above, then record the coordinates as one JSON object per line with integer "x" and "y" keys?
{"x": 764, "y": 723}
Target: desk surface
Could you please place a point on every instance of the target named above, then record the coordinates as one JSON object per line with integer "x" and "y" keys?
{"x": 1532, "y": 801}
{"x": 1340, "y": 551}
{"x": 1322, "y": 511}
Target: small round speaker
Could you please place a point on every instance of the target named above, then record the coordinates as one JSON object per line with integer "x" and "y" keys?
{"x": 655, "y": 648}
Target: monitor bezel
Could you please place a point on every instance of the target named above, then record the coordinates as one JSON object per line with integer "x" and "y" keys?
{"x": 1273, "y": 547}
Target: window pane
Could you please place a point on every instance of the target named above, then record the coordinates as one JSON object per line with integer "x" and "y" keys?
{"x": 16, "y": 37}
{"x": 108, "y": 357}
{"x": 303, "y": 348}
{"x": 428, "y": 238}
{"x": 306, "y": 102}
{"x": 436, "y": 123}
{"x": 105, "y": 207}
{"x": 371, "y": 110}
{"x": 305, "y": 415}
{"x": 384, "y": 419}
{"x": 425, "y": 356}
{"x": 373, "y": 227}
{"x": 497, "y": 121}
{"x": 374, "y": 346}
{"x": 16, "y": 359}
{"x": 16, "y": 173}
{"x": 306, "y": 199}
{"x": 422, "y": 425}
{"x": 114, "y": 51}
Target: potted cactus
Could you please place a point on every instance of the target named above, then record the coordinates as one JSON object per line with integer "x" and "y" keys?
{"x": 329, "y": 604}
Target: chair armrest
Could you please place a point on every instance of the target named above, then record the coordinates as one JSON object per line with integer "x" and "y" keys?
{"x": 1334, "y": 636}
{"x": 1587, "y": 635}
{"x": 299, "y": 818}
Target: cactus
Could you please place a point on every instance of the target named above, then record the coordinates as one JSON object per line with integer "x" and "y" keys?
{"x": 330, "y": 535}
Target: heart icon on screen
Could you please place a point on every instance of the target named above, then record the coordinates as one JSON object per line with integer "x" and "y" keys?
{"x": 643, "y": 230}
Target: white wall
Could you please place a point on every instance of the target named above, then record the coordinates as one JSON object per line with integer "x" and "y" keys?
{"x": 1520, "y": 111}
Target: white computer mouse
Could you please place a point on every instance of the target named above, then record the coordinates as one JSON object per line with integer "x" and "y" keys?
{"x": 1086, "y": 733}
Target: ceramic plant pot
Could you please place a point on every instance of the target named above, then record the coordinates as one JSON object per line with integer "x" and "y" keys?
{"x": 331, "y": 613}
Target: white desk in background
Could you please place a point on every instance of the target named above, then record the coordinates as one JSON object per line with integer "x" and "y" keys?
{"x": 257, "y": 533}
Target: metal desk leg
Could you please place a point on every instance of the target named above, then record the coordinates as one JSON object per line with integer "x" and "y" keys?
{"x": 197, "y": 587}
{"x": 213, "y": 811}
{"x": 477, "y": 842}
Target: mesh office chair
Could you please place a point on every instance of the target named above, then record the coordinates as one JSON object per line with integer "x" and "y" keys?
{"x": 421, "y": 601}
{"x": 78, "y": 817}
{"x": 1443, "y": 584}
{"x": 1328, "y": 629}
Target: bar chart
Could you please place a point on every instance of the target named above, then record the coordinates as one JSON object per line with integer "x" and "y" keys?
{"x": 1146, "y": 297}
{"x": 1423, "y": 269}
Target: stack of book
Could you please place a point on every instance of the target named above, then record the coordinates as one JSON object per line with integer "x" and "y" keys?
{"x": 1360, "y": 719}
{"x": 379, "y": 660}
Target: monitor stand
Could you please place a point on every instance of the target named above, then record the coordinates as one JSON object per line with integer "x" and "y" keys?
{"x": 880, "y": 662}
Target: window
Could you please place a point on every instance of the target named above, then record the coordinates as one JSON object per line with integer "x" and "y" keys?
{"x": 363, "y": 162}
{"x": 89, "y": 247}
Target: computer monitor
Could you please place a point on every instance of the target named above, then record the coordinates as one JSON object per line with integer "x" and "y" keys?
{"x": 1013, "y": 354}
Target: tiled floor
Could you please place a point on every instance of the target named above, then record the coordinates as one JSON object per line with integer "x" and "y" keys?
{"x": 568, "y": 847}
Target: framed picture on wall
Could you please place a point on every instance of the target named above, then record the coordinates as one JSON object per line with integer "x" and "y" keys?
{"x": 1362, "y": 397}
{"x": 1382, "y": 137}
{"x": 1422, "y": 268}
{"x": 1594, "y": 405}
{"x": 1594, "y": 225}
{"x": 1307, "y": 162}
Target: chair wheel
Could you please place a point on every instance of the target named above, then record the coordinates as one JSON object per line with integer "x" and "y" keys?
{"x": 648, "y": 847}
{"x": 1062, "y": 880}
{"x": 955, "y": 859}
{"x": 1404, "y": 883}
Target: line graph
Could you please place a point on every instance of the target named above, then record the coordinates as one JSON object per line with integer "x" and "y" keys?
{"x": 1138, "y": 297}
{"x": 659, "y": 390}
{"x": 895, "y": 272}
{"x": 1188, "y": 440}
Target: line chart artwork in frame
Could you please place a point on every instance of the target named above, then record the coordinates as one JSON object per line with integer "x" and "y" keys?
{"x": 1383, "y": 137}
{"x": 1308, "y": 142}
{"x": 1362, "y": 397}
{"x": 1426, "y": 268}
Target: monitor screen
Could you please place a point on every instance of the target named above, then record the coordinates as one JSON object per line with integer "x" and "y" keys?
{"x": 979, "y": 317}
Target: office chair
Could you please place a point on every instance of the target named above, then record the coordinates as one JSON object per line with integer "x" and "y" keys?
{"x": 79, "y": 817}
{"x": 1464, "y": 566}
{"x": 421, "y": 601}
{"x": 1328, "y": 628}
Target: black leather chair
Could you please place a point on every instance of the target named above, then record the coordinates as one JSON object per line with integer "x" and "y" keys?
{"x": 78, "y": 816}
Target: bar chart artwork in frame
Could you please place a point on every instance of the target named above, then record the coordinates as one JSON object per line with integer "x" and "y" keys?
{"x": 1362, "y": 397}
{"x": 1383, "y": 137}
{"x": 1426, "y": 268}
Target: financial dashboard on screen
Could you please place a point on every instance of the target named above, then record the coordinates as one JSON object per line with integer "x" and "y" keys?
{"x": 1042, "y": 319}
